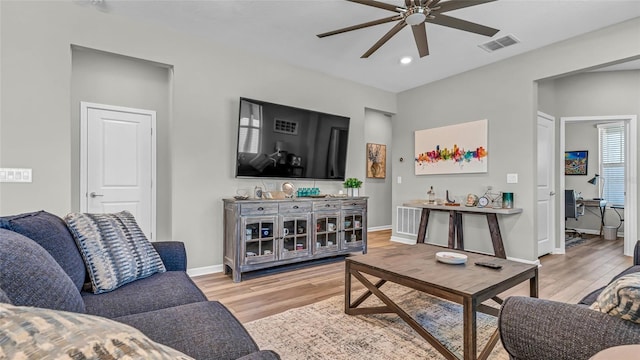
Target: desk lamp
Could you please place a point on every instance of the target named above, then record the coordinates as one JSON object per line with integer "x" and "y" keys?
{"x": 594, "y": 181}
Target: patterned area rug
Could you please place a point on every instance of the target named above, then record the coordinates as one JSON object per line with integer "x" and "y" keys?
{"x": 323, "y": 331}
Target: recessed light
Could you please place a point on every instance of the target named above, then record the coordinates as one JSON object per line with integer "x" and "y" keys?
{"x": 406, "y": 60}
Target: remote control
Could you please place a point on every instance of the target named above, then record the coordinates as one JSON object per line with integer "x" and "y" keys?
{"x": 489, "y": 265}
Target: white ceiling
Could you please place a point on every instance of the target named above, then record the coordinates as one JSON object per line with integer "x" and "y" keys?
{"x": 286, "y": 29}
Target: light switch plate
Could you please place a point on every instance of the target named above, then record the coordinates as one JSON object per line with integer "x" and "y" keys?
{"x": 13, "y": 175}
{"x": 512, "y": 178}
{"x": 399, "y": 179}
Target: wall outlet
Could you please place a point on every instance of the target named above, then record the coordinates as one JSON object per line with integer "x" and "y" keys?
{"x": 512, "y": 178}
{"x": 11, "y": 175}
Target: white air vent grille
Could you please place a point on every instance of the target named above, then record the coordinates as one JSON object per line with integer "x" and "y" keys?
{"x": 500, "y": 43}
{"x": 286, "y": 127}
{"x": 408, "y": 220}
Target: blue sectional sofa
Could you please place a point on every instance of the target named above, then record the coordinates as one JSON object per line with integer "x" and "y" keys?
{"x": 41, "y": 266}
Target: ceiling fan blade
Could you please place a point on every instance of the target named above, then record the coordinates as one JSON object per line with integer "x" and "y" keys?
{"x": 459, "y": 4}
{"x": 444, "y": 20}
{"x": 376, "y": 4}
{"x": 420, "y": 35}
{"x": 394, "y": 30}
{"x": 361, "y": 26}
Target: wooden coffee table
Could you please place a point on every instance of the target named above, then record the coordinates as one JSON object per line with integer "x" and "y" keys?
{"x": 416, "y": 267}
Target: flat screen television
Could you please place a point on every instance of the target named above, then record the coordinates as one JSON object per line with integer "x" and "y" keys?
{"x": 279, "y": 141}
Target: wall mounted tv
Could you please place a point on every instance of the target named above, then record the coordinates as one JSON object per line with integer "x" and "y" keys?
{"x": 278, "y": 141}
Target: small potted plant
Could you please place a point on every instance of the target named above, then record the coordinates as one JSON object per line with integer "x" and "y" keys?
{"x": 352, "y": 185}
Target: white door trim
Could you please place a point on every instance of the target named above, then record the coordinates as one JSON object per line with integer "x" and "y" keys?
{"x": 84, "y": 110}
{"x": 631, "y": 183}
{"x": 552, "y": 198}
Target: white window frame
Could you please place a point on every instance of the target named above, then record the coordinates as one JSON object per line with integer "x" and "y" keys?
{"x": 611, "y": 188}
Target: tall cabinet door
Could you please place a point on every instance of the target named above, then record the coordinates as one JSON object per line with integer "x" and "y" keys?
{"x": 294, "y": 236}
{"x": 354, "y": 228}
{"x": 259, "y": 236}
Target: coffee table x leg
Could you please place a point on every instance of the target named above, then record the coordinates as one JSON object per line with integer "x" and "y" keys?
{"x": 391, "y": 307}
{"x": 470, "y": 304}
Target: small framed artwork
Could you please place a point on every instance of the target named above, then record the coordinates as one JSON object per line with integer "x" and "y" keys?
{"x": 575, "y": 162}
{"x": 376, "y": 161}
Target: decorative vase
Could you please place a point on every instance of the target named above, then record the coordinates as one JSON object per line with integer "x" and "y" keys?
{"x": 355, "y": 192}
{"x": 376, "y": 169}
{"x": 349, "y": 192}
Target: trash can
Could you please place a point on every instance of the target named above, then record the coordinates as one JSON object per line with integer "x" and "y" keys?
{"x": 610, "y": 232}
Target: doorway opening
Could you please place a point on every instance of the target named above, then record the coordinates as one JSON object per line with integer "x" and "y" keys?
{"x": 591, "y": 193}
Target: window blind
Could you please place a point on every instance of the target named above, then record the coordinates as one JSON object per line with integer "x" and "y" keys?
{"x": 612, "y": 159}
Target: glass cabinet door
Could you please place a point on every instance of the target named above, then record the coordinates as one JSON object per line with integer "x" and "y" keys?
{"x": 295, "y": 237}
{"x": 327, "y": 231}
{"x": 259, "y": 237}
{"x": 354, "y": 227}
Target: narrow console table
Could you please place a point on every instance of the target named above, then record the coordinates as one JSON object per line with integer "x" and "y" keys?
{"x": 456, "y": 238}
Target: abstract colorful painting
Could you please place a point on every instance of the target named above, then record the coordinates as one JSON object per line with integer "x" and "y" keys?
{"x": 453, "y": 149}
{"x": 575, "y": 162}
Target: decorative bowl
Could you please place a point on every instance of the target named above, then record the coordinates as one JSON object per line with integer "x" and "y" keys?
{"x": 451, "y": 257}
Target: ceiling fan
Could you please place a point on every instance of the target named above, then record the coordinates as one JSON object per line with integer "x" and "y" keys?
{"x": 417, "y": 13}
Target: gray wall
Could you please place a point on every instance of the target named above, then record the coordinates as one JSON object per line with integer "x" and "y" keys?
{"x": 505, "y": 93}
{"x": 207, "y": 81}
{"x": 110, "y": 79}
{"x": 378, "y": 130}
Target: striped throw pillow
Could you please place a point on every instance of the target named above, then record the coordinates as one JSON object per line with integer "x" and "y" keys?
{"x": 621, "y": 298}
{"x": 114, "y": 249}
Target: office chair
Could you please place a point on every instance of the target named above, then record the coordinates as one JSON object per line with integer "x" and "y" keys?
{"x": 572, "y": 210}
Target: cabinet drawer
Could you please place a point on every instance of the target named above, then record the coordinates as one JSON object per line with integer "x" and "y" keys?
{"x": 259, "y": 209}
{"x": 326, "y": 205}
{"x": 294, "y": 207}
{"x": 354, "y": 204}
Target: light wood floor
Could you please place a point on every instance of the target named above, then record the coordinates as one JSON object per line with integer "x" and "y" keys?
{"x": 565, "y": 278}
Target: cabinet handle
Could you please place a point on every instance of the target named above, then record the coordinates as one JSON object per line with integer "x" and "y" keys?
{"x": 296, "y": 207}
{"x": 260, "y": 208}
{"x": 327, "y": 205}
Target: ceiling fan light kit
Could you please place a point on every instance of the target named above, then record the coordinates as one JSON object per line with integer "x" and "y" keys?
{"x": 416, "y": 13}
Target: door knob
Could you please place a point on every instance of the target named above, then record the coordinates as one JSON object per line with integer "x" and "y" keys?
{"x": 93, "y": 194}
{"x": 551, "y": 193}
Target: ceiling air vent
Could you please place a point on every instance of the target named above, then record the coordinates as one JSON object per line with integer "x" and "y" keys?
{"x": 285, "y": 127}
{"x": 500, "y": 43}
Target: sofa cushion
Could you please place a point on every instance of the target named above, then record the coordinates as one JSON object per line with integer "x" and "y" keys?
{"x": 30, "y": 276}
{"x": 621, "y": 298}
{"x": 158, "y": 291}
{"x": 203, "y": 330}
{"x": 50, "y": 232}
{"x": 592, "y": 296}
{"x": 114, "y": 249}
{"x": 36, "y": 333}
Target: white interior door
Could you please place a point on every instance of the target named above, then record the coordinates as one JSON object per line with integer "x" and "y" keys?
{"x": 546, "y": 192}
{"x": 118, "y": 162}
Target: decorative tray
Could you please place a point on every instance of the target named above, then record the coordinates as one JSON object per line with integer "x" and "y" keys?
{"x": 451, "y": 257}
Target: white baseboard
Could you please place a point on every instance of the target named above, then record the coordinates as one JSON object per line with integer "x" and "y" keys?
{"x": 205, "y": 270}
{"x": 380, "y": 228}
{"x": 403, "y": 240}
